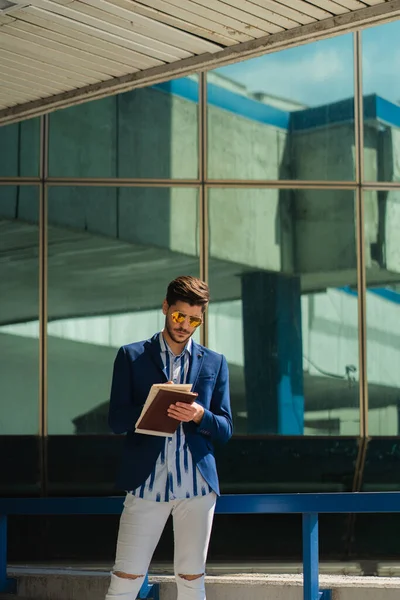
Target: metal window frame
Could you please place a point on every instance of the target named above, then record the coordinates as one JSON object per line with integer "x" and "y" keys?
{"x": 43, "y": 306}
{"x": 361, "y": 265}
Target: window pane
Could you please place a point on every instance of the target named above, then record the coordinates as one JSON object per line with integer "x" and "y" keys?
{"x": 272, "y": 464}
{"x": 112, "y": 252}
{"x": 382, "y": 244}
{"x": 20, "y": 149}
{"x": 381, "y": 90}
{"x": 19, "y": 310}
{"x": 146, "y": 133}
{"x": 282, "y": 274}
{"x": 285, "y": 115}
{"x": 381, "y": 473}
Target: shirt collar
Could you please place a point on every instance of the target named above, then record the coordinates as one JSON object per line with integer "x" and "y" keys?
{"x": 165, "y": 348}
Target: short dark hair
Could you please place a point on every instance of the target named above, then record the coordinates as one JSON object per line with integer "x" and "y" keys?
{"x": 188, "y": 289}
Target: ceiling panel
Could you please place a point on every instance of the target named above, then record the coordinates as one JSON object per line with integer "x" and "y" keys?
{"x": 231, "y": 18}
{"x": 91, "y": 35}
{"x": 309, "y": 8}
{"x": 264, "y": 13}
{"x": 71, "y": 36}
{"x": 333, "y": 7}
{"x": 64, "y": 48}
{"x": 169, "y": 18}
{"x": 56, "y": 53}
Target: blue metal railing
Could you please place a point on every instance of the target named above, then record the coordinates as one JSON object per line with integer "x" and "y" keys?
{"x": 309, "y": 505}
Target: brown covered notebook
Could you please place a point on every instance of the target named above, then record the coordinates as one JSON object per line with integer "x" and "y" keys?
{"x": 154, "y": 419}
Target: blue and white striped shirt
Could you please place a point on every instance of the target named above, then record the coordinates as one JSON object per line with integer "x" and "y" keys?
{"x": 175, "y": 475}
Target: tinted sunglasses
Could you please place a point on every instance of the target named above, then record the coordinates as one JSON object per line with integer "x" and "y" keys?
{"x": 179, "y": 317}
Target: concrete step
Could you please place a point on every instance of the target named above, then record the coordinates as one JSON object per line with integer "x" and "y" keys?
{"x": 80, "y": 584}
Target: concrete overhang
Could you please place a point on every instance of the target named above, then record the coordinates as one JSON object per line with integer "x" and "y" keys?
{"x": 57, "y": 53}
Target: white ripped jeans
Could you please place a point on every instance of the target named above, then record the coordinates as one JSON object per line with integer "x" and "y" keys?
{"x": 141, "y": 525}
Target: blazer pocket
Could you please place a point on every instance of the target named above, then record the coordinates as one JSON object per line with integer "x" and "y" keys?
{"x": 207, "y": 377}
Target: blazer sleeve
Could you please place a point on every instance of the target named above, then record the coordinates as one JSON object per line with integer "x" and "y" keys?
{"x": 122, "y": 414}
{"x": 217, "y": 422}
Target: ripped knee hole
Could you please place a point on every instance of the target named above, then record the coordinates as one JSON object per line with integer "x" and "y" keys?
{"x": 123, "y": 575}
{"x": 190, "y": 577}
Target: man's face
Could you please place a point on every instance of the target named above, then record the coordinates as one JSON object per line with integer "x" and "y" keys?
{"x": 180, "y": 333}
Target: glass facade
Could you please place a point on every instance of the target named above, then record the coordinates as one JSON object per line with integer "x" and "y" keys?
{"x": 381, "y": 102}
{"x": 20, "y": 149}
{"x": 273, "y": 180}
{"x": 104, "y": 287}
{"x": 283, "y": 314}
{"x": 20, "y": 367}
{"x": 383, "y": 310}
{"x": 288, "y": 115}
{"x": 19, "y": 310}
{"x": 147, "y": 133}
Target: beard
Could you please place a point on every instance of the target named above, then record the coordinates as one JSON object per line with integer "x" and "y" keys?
{"x": 174, "y": 337}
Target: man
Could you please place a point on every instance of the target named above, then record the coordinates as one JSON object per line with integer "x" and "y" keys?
{"x": 175, "y": 475}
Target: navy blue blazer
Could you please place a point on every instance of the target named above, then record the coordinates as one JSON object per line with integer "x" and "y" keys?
{"x": 137, "y": 366}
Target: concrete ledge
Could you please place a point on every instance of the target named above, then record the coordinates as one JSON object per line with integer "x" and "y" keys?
{"x": 79, "y": 584}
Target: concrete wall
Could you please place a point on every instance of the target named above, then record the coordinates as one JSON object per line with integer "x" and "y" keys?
{"x": 392, "y": 231}
{"x": 20, "y": 150}
{"x": 325, "y": 232}
{"x": 245, "y": 227}
{"x": 323, "y": 153}
{"x": 159, "y": 217}
{"x": 145, "y": 133}
{"x": 372, "y": 148}
{"x": 239, "y": 148}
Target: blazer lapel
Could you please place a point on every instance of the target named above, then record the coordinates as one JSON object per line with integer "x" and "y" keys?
{"x": 155, "y": 353}
{"x": 195, "y": 364}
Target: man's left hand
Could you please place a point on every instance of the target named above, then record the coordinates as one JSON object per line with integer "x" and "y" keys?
{"x": 186, "y": 412}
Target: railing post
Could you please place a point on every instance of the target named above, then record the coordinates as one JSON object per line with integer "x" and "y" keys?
{"x": 310, "y": 557}
{"x": 6, "y": 585}
{"x": 148, "y": 590}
